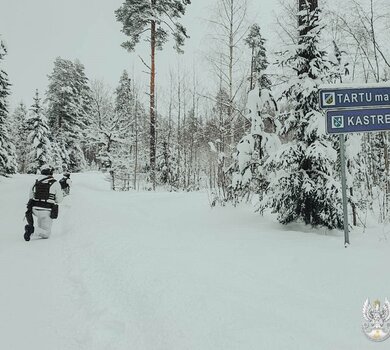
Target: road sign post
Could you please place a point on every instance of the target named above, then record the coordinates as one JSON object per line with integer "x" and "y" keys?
{"x": 344, "y": 189}
{"x": 354, "y": 109}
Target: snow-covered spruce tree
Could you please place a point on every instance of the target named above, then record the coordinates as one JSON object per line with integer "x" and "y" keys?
{"x": 376, "y": 157}
{"x": 259, "y": 62}
{"x": 166, "y": 164}
{"x": 125, "y": 109}
{"x": 170, "y": 158}
{"x": 303, "y": 184}
{"x": 83, "y": 94}
{"x": 38, "y": 139}
{"x": 131, "y": 141}
{"x": 20, "y": 132}
{"x": 61, "y": 158}
{"x": 68, "y": 101}
{"x": 159, "y": 18}
{"x": 254, "y": 148}
{"x": 124, "y": 100}
{"x": 7, "y": 150}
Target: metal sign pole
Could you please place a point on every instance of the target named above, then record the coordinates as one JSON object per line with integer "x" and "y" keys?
{"x": 354, "y": 109}
{"x": 344, "y": 189}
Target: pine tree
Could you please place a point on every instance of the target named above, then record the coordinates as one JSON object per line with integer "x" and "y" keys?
{"x": 259, "y": 62}
{"x": 159, "y": 17}
{"x": 303, "y": 183}
{"x": 38, "y": 138}
{"x": 7, "y": 150}
{"x": 20, "y": 133}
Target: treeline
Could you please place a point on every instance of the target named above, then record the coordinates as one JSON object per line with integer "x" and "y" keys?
{"x": 80, "y": 124}
{"x": 75, "y": 125}
{"x": 255, "y": 130}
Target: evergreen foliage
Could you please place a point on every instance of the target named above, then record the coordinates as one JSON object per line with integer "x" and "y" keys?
{"x": 255, "y": 147}
{"x": 259, "y": 63}
{"x": 304, "y": 185}
{"x": 20, "y": 132}
{"x": 68, "y": 100}
{"x": 7, "y": 149}
{"x": 125, "y": 107}
{"x": 130, "y": 114}
{"x": 38, "y": 139}
{"x": 136, "y": 16}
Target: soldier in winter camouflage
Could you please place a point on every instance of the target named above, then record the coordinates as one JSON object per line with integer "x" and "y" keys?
{"x": 44, "y": 197}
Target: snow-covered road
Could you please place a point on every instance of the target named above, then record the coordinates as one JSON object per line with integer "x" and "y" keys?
{"x": 163, "y": 271}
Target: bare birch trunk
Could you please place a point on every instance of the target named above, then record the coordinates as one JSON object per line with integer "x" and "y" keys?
{"x": 136, "y": 143}
{"x": 184, "y": 141}
{"x": 152, "y": 103}
{"x": 178, "y": 131}
{"x": 252, "y": 64}
{"x": 231, "y": 52}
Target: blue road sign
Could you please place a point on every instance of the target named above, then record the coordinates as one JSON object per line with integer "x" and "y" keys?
{"x": 357, "y": 120}
{"x": 354, "y": 97}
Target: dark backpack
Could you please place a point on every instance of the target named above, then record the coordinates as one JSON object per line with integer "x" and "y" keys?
{"x": 42, "y": 190}
{"x": 63, "y": 183}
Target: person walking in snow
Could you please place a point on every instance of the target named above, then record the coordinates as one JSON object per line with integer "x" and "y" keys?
{"x": 65, "y": 183}
{"x": 44, "y": 197}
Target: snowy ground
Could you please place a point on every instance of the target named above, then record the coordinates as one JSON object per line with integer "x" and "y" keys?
{"x": 151, "y": 271}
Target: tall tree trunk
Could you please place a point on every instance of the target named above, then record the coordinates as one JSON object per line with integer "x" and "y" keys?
{"x": 231, "y": 51}
{"x": 136, "y": 141}
{"x": 374, "y": 43}
{"x": 221, "y": 122}
{"x": 383, "y": 134}
{"x": 152, "y": 102}
{"x": 387, "y": 184}
{"x": 170, "y": 170}
{"x": 252, "y": 65}
{"x": 185, "y": 150}
{"x": 179, "y": 131}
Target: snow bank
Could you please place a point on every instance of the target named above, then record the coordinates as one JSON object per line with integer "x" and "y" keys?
{"x": 150, "y": 271}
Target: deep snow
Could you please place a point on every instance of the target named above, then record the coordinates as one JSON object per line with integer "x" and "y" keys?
{"x": 151, "y": 271}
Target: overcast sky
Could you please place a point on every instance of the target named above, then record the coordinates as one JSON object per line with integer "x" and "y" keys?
{"x": 38, "y": 31}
